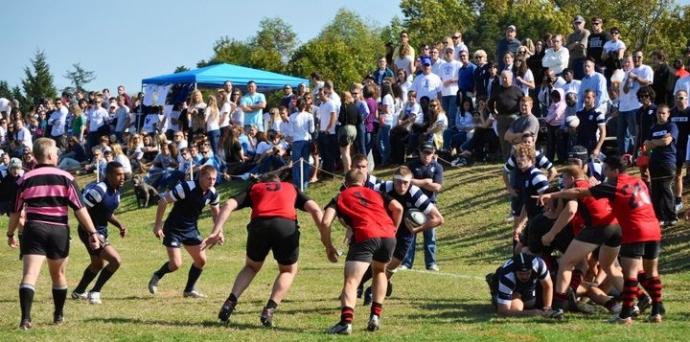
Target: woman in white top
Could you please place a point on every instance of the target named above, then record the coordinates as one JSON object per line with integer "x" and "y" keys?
{"x": 196, "y": 114}
{"x": 121, "y": 158}
{"x": 301, "y": 128}
{"x": 439, "y": 123}
{"x": 226, "y": 110}
{"x": 404, "y": 80}
{"x": 386, "y": 109}
{"x": 524, "y": 77}
{"x": 237, "y": 115}
{"x": 212, "y": 115}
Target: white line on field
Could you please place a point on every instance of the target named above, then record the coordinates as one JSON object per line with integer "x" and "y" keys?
{"x": 445, "y": 274}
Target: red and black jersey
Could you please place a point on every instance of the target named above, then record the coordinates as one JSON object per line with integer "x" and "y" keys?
{"x": 632, "y": 206}
{"x": 594, "y": 212}
{"x": 364, "y": 210}
{"x": 272, "y": 199}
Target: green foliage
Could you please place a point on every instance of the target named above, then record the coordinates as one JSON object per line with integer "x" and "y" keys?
{"x": 344, "y": 51}
{"x": 430, "y": 21}
{"x": 79, "y": 76}
{"x": 17, "y": 95}
{"x": 5, "y": 90}
{"x": 38, "y": 83}
{"x": 180, "y": 68}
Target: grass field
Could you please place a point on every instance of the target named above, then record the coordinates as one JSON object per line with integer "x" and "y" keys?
{"x": 448, "y": 305}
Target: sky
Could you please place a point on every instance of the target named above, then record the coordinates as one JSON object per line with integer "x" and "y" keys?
{"x": 125, "y": 41}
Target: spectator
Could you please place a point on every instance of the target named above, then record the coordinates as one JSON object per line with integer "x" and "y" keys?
{"x": 595, "y": 43}
{"x": 427, "y": 84}
{"x": 438, "y": 123}
{"x": 591, "y": 131}
{"x": 458, "y": 45}
{"x": 212, "y": 115}
{"x": 525, "y": 124}
{"x": 661, "y": 143}
{"x": 253, "y": 104}
{"x": 555, "y": 118}
{"x": 57, "y": 122}
{"x": 382, "y": 72}
{"x": 613, "y": 52}
{"x": 664, "y": 78}
{"x": 680, "y": 116}
{"x": 646, "y": 117}
{"x": 577, "y": 46}
{"x": 73, "y": 156}
{"x": 302, "y": 127}
{"x": 505, "y": 104}
{"x": 449, "y": 74}
{"x": 120, "y": 157}
{"x": 595, "y": 82}
{"x": 507, "y": 44}
{"x": 524, "y": 79}
{"x": 122, "y": 118}
{"x": 96, "y": 122}
{"x": 287, "y": 96}
{"x": 481, "y": 74}
{"x": 404, "y": 55}
{"x": 570, "y": 84}
{"x": 466, "y": 78}
{"x": 557, "y": 57}
{"x": 347, "y": 133}
{"x": 328, "y": 117}
{"x": 386, "y": 118}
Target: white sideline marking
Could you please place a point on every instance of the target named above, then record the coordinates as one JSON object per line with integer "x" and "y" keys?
{"x": 446, "y": 274}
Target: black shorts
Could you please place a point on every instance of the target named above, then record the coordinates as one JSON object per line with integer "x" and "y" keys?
{"x": 516, "y": 204}
{"x": 403, "y": 240}
{"x": 609, "y": 235}
{"x": 537, "y": 228}
{"x": 45, "y": 239}
{"x": 377, "y": 249}
{"x": 647, "y": 250}
{"x": 175, "y": 238}
{"x": 275, "y": 234}
{"x": 102, "y": 236}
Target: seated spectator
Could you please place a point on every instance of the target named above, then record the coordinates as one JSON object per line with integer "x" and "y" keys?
{"x": 120, "y": 157}
{"x": 73, "y": 156}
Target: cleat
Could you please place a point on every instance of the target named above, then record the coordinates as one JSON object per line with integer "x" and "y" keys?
{"x": 389, "y": 289}
{"x": 368, "y": 296}
{"x": 226, "y": 310}
{"x": 58, "y": 319}
{"x": 76, "y": 295}
{"x": 267, "y": 317}
{"x": 25, "y": 324}
{"x": 616, "y": 308}
{"x": 433, "y": 268}
{"x": 359, "y": 292}
{"x": 572, "y": 299}
{"x": 193, "y": 294}
{"x": 153, "y": 284}
{"x": 555, "y": 314}
{"x": 654, "y": 318}
{"x": 95, "y": 298}
{"x": 644, "y": 303}
{"x": 619, "y": 320}
{"x": 374, "y": 323}
{"x": 340, "y": 329}
{"x": 635, "y": 312}
{"x": 403, "y": 268}
{"x": 679, "y": 207}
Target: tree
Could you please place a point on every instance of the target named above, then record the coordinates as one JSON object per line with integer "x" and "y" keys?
{"x": 39, "y": 83}
{"x": 17, "y": 95}
{"x": 180, "y": 68}
{"x": 79, "y": 76}
{"x": 430, "y": 21}
{"x": 5, "y": 90}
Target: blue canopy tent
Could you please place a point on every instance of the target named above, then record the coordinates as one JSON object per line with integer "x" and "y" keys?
{"x": 216, "y": 75}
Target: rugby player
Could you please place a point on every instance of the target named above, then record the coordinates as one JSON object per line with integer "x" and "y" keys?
{"x": 514, "y": 291}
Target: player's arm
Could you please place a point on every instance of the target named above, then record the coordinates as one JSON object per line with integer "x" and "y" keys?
{"x": 117, "y": 223}
{"x": 327, "y": 219}
{"x": 85, "y": 220}
{"x": 547, "y": 293}
{"x": 396, "y": 211}
{"x": 506, "y": 181}
{"x": 12, "y": 226}
{"x": 602, "y": 138}
{"x": 427, "y": 184}
{"x": 565, "y": 216}
{"x": 552, "y": 172}
{"x": 435, "y": 219}
{"x": 160, "y": 211}
{"x": 221, "y": 217}
{"x": 569, "y": 194}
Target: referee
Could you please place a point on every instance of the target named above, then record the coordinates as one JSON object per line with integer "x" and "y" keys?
{"x": 45, "y": 193}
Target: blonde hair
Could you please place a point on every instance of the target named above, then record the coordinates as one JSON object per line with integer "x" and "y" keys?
{"x": 42, "y": 148}
{"x": 117, "y": 149}
{"x": 212, "y": 105}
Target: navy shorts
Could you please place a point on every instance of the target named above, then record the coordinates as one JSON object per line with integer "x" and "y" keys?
{"x": 403, "y": 240}
{"x": 176, "y": 238}
{"x": 102, "y": 236}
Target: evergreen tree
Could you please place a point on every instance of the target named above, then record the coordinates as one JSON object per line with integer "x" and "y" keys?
{"x": 79, "y": 76}
{"x": 38, "y": 83}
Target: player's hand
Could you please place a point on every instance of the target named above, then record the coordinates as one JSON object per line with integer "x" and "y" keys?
{"x": 94, "y": 241}
{"x": 410, "y": 226}
{"x": 542, "y": 199}
{"x": 158, "y": 232}
{"x": 12, "y": 241}
{"x": 123, "y": 231}
{"x": 332, "y": 254}
{"x": 547, "y": 239}
{"x": 212, "y": 240}
{"x": 516, "y": 234}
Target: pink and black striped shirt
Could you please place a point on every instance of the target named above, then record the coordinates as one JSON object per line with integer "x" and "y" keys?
{"x": 45, "y": 193}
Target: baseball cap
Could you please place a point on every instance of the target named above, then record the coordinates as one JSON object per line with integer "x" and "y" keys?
{"x": 428, "y": 147}
{"x": 426, "y": 60}
{"x": 511, "y": 28}
{"x": 15, "y": 163}
{"x": 578, "y": 19}
{"x": 578, "y": 152}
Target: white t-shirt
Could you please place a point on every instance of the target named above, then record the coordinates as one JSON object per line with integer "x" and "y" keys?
{"x": 449, "y": 71}
{"x": 122, "y": 116}
{"x": 324, "y": 112}
{"x": 529, "y": 77}
{"x": 404, "y": 62}
{"x": 212, "y": 124}
{"x": 57, "y": 120}
{"x": 613, "y": 46}
{"x": 427, "y": 85}
{"x": 301, "y": 126}
{"x": 24, "y": 137}
{"x": 225, "y": 109}
{"x": 97, "y": 118}
{"x": 387, "y": 117}
{"x": 126, "y": 165}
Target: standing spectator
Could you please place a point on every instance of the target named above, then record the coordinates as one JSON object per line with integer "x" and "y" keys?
{"x": 428, "y": 175}
{"x": 595, "y": 43}
{"x": 661, "y": 143}
{"x": 577, "y": 46}
{"x": 555, "y": 118}
{"x": 526, "y": 124}
{"x": 664, "y": 78}
{"x": 301, "y": 127}
{"x": 436, "y": 61}
{"x": 123, "y": 120}
{"x": 458, "y": 45}
{"x": 46, "y": 233}
{"x": 22, "y": 136}
{"x": 287, "y": 96}
{"x": 382, "y": 72}
{"x": 680, "y": 116}
{"x": 614, "y": 50}
{"x": 403, "y": 80}
{"x": 570, "y": 85}
{"x": 404, "y": 56}
{"x": 328, "y": 117}
{"x": 57, "y": 122}
{"x": 212, "y": 115}
{"x": 96, "y": 122}
{"x": 438, "y": 123}
{"x": 646, "y": 118}
{"x": 253, "y": 105}
{"x": 595, "y": 82}
{"x": 507, "y": 44}
{"x": 227, "y": 107}
{"x": 637, "y": 75}
{"x": 481, "y": 74}
{"x": 427, "y": 84}
{"x": 524, "y": 78}
{"x": 386, "y": 107}
{"x": 236, "y": 116}
{"x": 556, "y": 58}
{"x": 466, "y": 78}
{"x": 534, "y": 61}
{"x": 505, "y": 104}
{"x": 122, "y": 92}
{"x": 449, "y": 73}
{"x": 347, "y": 133}
{"x": 591, "y": 131}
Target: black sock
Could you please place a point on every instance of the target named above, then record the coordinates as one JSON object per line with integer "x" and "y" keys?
{"x": 85, "y": 280}
{"x": 26, "y": 298}
{"x": 106, "y": 273}
{"x": 163, "y": 270}
{"x": 271, "y": 304}
{"x": 679, "y": 200}
{"x": 59, "y": 296}
{"x": 194, "y": 274}
{"x": 367, "y": 275}
{"x": 232, "y": 298}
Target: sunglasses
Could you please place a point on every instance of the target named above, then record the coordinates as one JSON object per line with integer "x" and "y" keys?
{"x": 456, "y": 37}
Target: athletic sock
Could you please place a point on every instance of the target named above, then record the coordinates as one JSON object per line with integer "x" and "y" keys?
{"x": 576, "y": 280}
{"x": 679, "y": 200}
{"x": 26, "y": 298}
{"x": 163, "y": 270}
{"x": 642, "y": 280}
{"x": 654, "y": 288}
{"x": 610, "y": 303}
{"x": 366, "y": 277}
{"x": 105, "y": 275}
{"x": 560, "y": 300}
{"x": 232, "y": 298}
{"x": 86, "y": 279}
{"x": 347, "y": 314}
{"x": 193, "y": 276}
{"x": 376, "y": 308}
{"x": 271, "y": 304}
{"x": 629, "y": 295}
{"x": 59, "y": 296}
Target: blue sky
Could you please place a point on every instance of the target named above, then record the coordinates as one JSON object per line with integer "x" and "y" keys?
{"x": 124, "y": 41}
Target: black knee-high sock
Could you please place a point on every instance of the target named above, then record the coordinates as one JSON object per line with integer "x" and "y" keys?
{"x": 26, "y": 298}
{"x": 86, "y": 279}
{"x": 106, "y": 273}
{"x": 59, "y": 296}
{"x": 165, "y": 269}
{"x": 366, "y": 277}
{"x": 232, "y": 298}
{"x": 271, "y": 304}
{"x": 194, "y": 274}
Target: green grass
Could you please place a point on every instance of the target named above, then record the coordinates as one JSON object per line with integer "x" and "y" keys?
{"x": 450, "y": 305}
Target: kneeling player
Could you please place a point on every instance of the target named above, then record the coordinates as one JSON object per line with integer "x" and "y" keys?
{"x": 101, "y": 200}
{"x": 514, "y": 290}
{"x": 372, "y": 243}
{"x": 181, "y": 229}
{"x": 273, "y": 227}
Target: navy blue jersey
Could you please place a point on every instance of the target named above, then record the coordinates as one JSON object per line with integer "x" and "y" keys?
{"x": 101, "y": 201}
{"x": 530, "y": 183}
{"x": 590, "y": 120}
{"x": 664, "y": 154}
{"x": 540, "y": 160}
{"x": 508, "y": 282}
{"x": 189, "y": 201}
{"x": 682, "y": 120}
{"x": 413, "y": 198}
{"x": 434, "y": 171}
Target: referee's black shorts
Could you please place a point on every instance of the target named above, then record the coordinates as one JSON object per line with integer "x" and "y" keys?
{"x": 39, "y": 238}
{"x": 275, "y": 234}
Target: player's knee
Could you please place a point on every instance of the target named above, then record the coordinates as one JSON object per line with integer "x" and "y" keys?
{"x": 174, "y": 265}
{"x": 115, "y": 263}
{"x": 200, "y": 262}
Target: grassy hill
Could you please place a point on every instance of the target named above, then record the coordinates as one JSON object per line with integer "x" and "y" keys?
{"x": 448, "y": 305}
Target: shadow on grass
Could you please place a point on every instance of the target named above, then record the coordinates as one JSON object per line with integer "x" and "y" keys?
{"x": 674, "y": 258}
{"x": 172, "y": 323}
{"x": 454, "y": 312}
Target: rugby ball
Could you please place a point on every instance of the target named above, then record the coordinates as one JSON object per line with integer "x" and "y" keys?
{"x": 573, "y": 121}
{"x": 415, "y": 218}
